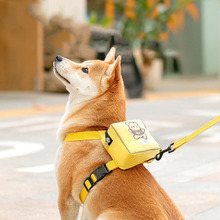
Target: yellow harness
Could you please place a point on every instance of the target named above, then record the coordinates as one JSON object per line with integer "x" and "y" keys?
{"x": 123, "y": 153}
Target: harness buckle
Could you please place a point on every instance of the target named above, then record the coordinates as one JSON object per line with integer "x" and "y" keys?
{"x": 90, "y": 181}
{"x": 99, "y": 173}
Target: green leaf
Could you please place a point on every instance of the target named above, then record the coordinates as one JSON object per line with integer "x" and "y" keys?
{"x": 105, "y": 22}
{"x": 93, "y": 18}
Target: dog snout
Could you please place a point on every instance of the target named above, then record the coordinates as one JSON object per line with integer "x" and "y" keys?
{"x": 58, "y": 58}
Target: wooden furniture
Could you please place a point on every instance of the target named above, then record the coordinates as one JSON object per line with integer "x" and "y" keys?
{"x": 21, "y": 47}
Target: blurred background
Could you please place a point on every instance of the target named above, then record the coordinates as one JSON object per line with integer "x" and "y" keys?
{"x": 171, "y": 70}
{"x": 158, "y": 40}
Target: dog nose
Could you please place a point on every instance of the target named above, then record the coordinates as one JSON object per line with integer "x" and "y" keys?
{"x": 59, "y": 58}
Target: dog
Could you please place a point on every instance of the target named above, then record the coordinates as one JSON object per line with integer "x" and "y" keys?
{"x": 96, "y": 100}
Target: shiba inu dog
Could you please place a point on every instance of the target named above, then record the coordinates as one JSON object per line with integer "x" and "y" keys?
{"x": 96, "y": 100}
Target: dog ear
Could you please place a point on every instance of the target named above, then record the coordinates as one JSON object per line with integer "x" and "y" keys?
{"x": 110, "y": 57}
{"x": 114, "y": 68}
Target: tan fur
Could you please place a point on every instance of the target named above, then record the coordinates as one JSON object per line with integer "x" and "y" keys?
{"x": 130, "y": 194}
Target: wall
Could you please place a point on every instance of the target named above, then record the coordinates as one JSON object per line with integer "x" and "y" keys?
{"x": 21, "y": 47}
{"x": 75, "y": 9}
{"x": 210, "y": 36}
{"x": 199, "y": 42}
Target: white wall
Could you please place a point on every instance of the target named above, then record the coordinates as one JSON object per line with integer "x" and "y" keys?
{"x": 210, "y": 36}
{"x": 75, "y": 9}
{"x": 199, "y": 43}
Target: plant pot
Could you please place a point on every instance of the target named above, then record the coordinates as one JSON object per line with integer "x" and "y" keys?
{"x": 152, "y": 74}
{"x": 151, "y": 68}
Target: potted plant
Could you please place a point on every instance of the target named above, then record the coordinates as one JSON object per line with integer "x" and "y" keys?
{"x": 144, "y": 24}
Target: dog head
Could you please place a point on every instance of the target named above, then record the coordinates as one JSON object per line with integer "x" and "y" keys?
{"x": 89, "y": 79}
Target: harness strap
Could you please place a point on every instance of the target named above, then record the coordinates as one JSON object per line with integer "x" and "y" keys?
{"x": 85, "y": 135}
{"x": 99, "y": 173}
{"x": 95, "y": 177}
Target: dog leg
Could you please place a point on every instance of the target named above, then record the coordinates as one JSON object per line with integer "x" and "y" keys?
{"x": 68, "y": 207}
{"x": 84, "y": 214}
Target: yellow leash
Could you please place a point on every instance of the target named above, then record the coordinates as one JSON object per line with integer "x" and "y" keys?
{"x": 105, "y": 169}
{"x": 186, "y": 139}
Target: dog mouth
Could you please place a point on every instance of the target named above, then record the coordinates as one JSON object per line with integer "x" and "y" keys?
{"x": 60, "y": 76}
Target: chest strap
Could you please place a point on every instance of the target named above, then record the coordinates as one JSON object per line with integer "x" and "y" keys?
{"x": 99, "y": 173}
{"x": 95, "y": 177}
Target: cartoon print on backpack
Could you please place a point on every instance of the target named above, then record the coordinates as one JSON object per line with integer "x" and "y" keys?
{"x": 136, "y": 130}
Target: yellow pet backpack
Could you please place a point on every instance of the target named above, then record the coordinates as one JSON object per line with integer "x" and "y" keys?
{"x": 129, "y": 143}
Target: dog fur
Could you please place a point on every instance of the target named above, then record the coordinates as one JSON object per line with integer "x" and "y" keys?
{"x": 96, "y": 100}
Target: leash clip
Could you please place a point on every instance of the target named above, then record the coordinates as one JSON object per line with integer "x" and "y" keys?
{"x": 168, "y": 149}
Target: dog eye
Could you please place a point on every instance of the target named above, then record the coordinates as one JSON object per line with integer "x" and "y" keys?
{"x": 85, "y": 70}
